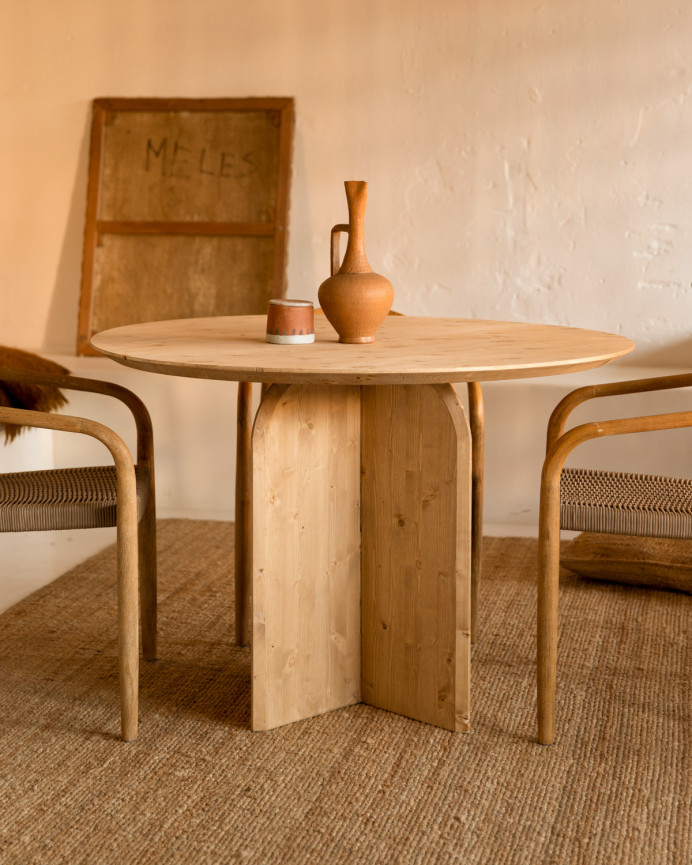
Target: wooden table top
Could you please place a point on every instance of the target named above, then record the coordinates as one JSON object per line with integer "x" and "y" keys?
{"x": 407, "y": 350}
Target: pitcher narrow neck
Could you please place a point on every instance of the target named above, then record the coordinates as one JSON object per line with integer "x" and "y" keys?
{"x": 355, "y": 260}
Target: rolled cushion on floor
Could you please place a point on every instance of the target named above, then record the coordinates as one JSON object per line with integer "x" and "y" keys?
{"x": 660, "y": 563}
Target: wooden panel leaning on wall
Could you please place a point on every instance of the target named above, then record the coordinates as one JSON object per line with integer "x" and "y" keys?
{"x": 187, "y": 210}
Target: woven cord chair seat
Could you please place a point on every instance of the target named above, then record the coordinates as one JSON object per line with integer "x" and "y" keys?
{"x": 78, "y": 498}
{"x": 625, "y": 504}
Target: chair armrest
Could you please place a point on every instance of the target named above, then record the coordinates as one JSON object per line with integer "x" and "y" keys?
{"x": 69, "y": 423}
{"x": 142, "y": 418}
{"x": 562, "y": 410}
{"x": 560, "y": 449}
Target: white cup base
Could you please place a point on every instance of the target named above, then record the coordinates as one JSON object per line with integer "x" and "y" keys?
{"x": 290, "y": 339}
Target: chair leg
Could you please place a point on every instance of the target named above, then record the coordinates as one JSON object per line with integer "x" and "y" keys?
{"x": 128, "y": 609}
{"x": 547, "y": 603}
{"x": 477, "y": 423}
{"x": 243, "y": 512}
{"x": 148, "y": 577}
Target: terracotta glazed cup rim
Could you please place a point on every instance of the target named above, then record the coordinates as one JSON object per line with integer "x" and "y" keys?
{"x": 280, "y": 301}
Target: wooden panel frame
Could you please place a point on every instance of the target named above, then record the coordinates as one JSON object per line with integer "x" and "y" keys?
{"x": 275, "y": 228}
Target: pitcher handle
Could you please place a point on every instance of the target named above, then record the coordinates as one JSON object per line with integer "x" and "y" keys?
{"x": 335, "y": 250}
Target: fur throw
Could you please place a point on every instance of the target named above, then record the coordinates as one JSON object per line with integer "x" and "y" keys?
{"x": 15, "y": 394}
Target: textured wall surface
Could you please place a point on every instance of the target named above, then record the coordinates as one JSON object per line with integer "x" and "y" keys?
{"x": 526, "y": 160}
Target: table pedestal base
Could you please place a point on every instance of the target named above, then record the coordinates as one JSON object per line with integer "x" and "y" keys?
{"x": 361, "y": 553}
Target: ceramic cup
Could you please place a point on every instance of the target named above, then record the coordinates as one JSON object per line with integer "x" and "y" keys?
{"x": 290, "y": 322}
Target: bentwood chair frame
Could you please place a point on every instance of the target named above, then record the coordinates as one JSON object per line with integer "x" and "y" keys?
{"x": 581, "y": 500}
{"x": 97, "y": 496}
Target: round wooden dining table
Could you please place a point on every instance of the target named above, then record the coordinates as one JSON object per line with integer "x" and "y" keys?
{"x": 361, "y": 484}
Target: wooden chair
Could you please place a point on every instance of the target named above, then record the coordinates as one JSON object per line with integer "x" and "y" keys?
{"x": 243, "y": 575}
{"x": 597, "y": 501}
{"x": 120, "y": 495}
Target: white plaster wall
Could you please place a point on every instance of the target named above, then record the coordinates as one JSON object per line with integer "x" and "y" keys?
{"x": 526, "y": 160}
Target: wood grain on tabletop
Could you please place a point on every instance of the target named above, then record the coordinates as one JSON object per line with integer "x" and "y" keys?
{"x": 407, "y": 350}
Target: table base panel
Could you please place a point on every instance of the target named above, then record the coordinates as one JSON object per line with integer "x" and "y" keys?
{"x": 306, "y": 653}
{"x": 415, "y": 502}
{"x": 361, "y": 553}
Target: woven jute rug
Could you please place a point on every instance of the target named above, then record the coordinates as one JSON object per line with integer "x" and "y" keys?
{"x": 358, "y": 785}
